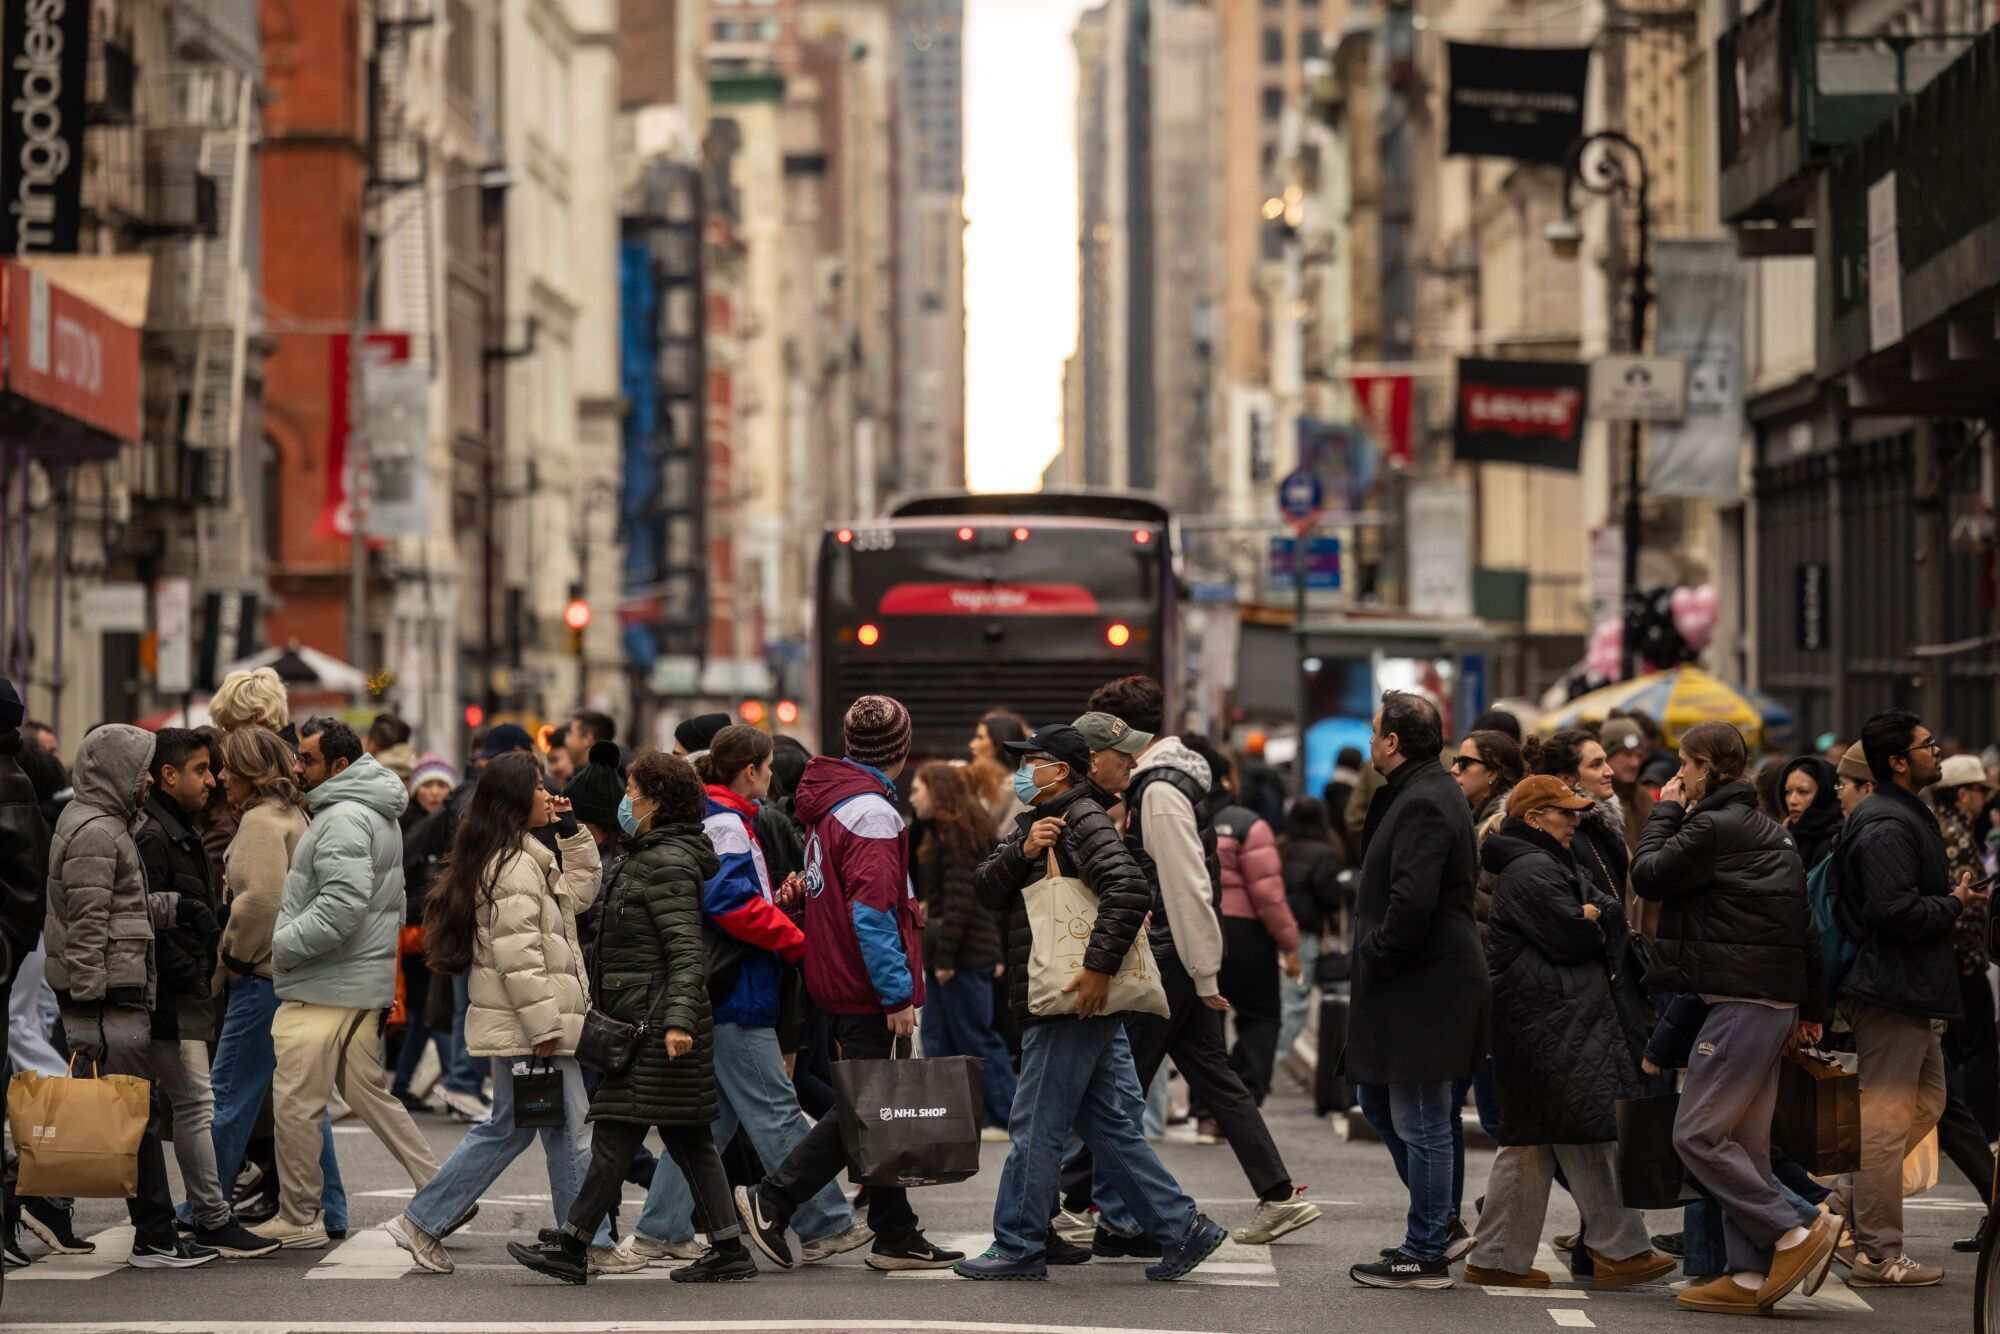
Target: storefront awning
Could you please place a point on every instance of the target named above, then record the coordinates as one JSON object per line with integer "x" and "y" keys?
{"x": 69, "y": 372}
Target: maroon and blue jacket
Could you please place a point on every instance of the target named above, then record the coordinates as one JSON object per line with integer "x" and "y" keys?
{"x": 737, "y": 898}
{"x": 864, "y": 934}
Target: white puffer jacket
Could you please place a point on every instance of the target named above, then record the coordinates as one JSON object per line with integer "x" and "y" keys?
{"x": 527, "y": 983}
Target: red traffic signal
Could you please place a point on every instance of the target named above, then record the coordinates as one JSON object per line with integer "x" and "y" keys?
{"x": 751, "y": 711}
{"x": 788, "y": 712}
{"x": 577, "y": 614}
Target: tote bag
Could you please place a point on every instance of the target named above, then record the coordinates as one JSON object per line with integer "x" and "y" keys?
{"x": 1062, "y": 912}
{"x": 78, "y": 1137}
{"x": 907, "y": 1122}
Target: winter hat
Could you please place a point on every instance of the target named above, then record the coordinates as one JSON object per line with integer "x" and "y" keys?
{"x": 433, "y": 768}
{"x": 1961, "y": 771}
{"x": 12, "y": 711}
{"x": 877, "y": 729}
{"x": 399, "y": 759}
{"x": 504, "y": 740}
{"x": 1621, "y": 734}
{"x": 695, "y": 734}
{"x": 595, "y": 789}
{"x": 1853, "y": 766}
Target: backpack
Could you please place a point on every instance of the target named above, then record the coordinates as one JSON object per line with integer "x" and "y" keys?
{"x": 1837, "y": 946}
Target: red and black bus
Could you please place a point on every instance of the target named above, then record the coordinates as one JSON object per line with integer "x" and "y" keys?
{"x": 959, "y": 604}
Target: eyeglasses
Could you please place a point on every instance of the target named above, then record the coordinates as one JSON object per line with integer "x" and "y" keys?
{"x": 1934, "y": 746}
{"x": 1460, "y": 763}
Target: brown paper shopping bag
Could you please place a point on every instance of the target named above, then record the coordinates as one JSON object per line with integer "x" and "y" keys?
{"x": 78, "y": 1137}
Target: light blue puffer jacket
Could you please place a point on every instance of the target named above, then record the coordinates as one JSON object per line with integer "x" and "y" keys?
{"x": 335, "y": 942}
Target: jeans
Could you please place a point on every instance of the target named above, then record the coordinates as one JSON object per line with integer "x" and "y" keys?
{"x": 612, "y": 1144}
{"x": 1295, "y": 999}
{"x": 1079, "y": 1072}
{"x": 1414, "y": 1121}
{"x": 463, "y": 1072}
{"x": 753, "y": 1093}
{"x": 180, "y": 1074}
{"x": 490, "y": 1146}
{"x": 1158, "y": 1096}
{"x": 245, "y": 1060}
{"x": 958, "y": 1021}
{"x": 820, "y": 1157}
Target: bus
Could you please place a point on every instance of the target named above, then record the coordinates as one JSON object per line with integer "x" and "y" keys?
{"x": 960, "y": 604}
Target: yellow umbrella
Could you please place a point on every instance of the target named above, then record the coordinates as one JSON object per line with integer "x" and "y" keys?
{"x": 1678, "y": 699}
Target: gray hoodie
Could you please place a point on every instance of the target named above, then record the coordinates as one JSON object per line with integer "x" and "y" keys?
{"x": 100, "y": 923}
{"x": 335, "y": 939}
{"x": 1173, "y": 840}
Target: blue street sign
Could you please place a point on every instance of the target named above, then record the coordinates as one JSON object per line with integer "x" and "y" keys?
{"x": 1212, "y": 591}
{"x": 1322, "y": 563}
{"x": 1301, "y": 496}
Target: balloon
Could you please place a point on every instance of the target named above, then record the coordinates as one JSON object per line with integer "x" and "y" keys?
{"x": 1605, "y": 656}
{"x": 1695, "y": 612}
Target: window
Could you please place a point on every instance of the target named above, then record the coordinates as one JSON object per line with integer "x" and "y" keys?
{"x": 768, "y": 30}
{"x": 1274, "y": 46}
{"x": 1274, "y": 103}
{"x": 726, "y": 31}
{"x": 1310, "y": 44}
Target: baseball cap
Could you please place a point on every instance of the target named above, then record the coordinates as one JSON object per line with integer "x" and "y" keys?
{"x": 1540, "y": 791}
{"x": 1106, "y": 731}
{"x": 1058, "y": 742}
{"x": 1960, "y": 770}
{"x": 1621, "y": 734}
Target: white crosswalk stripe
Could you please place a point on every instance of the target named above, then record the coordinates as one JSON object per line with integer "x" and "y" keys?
{"x": 113, "y": 1246}
{"x": 1232, "y": 1266}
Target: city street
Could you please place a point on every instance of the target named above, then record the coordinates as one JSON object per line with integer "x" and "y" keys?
{"x": 365, "y": 1284}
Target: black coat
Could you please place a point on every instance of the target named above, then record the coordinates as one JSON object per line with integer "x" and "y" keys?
{"x": 1421, "y": 1001}
{"x": 1896, "y": 888}
{"x": 176, "y": 862}
{"x": 1735, "y": 920}
{"x": 1312, "y": 884}
{"x": 1564, "y": 1049}
{"x": 1600, "y": 850}
{"x": 1089, "y": 848}
{"x": 651, "y": 970}
{"x": 24, "y": 858}
{"x": 960, "y": 933}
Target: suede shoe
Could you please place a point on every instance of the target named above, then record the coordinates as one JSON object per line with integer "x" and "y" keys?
{"x": 1500, "y": 1278}
{"x": 554, "y": 1261}
{"x": 1641, "y": 1268}
{"x": 994, "y": 1266}
{"x": 292, "y": 1236}
{"x": 1202, "y": 1240}
{"x": 1896, "y": 1271}
{"x": 1796, "y": 1263}
{"x": 1721, "y": 1295}
{"x": 426, "y": 1250}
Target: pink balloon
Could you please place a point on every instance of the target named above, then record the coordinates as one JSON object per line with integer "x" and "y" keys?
{"x": 1606, "y": 654}
{"x": 1695, "y": 614}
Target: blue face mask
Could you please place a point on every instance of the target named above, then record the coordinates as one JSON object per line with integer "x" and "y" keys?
{"x": 1024, "y": 784}
{"x": 628, "y": 819}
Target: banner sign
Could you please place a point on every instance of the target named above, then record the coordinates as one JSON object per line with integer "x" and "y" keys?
{"x": 1341, "y": 457}
{"x": 1527, "y": 412}
{"x": 1700, "y": 320}
{"x": 397, "y": 396}
{"x": 43, "y": 48}
{"x": 1518, "y": 102}
{"x": 1387, "y": 403}
{"x": 1438, "y": 529}
{"x": 335, "y": 517}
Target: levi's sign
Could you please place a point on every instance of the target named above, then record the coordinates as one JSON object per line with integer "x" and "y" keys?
{"x": 1528, "y": 412}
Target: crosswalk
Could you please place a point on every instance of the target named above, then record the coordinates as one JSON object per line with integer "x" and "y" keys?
{"x": 1835, "y": 1295}
{"x": 1232, "y": 1266}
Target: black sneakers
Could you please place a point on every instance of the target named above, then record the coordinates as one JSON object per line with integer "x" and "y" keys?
{"x": 178, "y": 1254}
{"x": 764, "y": 1232}
{"x": 1111, "y": 1245}
{"x": 554, "y": 1261}
{"x": 55, "y": 1225}
{"x": 1403, "y": 1271}
{"x": 12, "y": 1256}
{"x": 235, "y": 1241}
{"x": 1062, "y": 1251}
{"x": 726, "y": 1263}
{"x": 898, "y": 1255}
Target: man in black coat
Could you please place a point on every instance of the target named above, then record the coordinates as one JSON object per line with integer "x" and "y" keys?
{"x": 24, "y": 881}
{"x": 1895, "y": 890}
{"x": 1418, "y": 1020}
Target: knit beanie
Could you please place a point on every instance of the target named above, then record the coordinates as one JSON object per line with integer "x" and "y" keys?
{"x": 595, "y": 789}
{"x": 695, "y": 734}
{"x": 1853, "y": 765}
{"x": 878, "y": 732}
{"x": 433, "y": 768}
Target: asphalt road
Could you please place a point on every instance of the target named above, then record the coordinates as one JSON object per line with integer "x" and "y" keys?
{"x": 1300, "y": 1283}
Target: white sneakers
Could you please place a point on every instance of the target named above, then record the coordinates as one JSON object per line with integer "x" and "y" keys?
{"x": 426, "y": 1250}
{"x": 293, "y": 1236}
{"x": 1274, "y": 1218}
{"x": 649, "y": 1252}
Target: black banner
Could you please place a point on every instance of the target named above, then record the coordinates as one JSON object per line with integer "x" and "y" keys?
{"x": 228, "y": 632}
{"x": 43, "y": 48}
{"x": 1528, "y": 412}
{"x": 1518, "y": 102}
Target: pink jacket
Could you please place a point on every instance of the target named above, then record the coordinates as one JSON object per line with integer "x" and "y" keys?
{"x": 1253, "y": 875}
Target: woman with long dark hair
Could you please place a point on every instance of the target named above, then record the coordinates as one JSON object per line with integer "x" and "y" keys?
{"x": 962, "y": 948}
{"x": 503, "y": 911}
{"x": 990, "y": 776}
{"x": 1311, "y": 864}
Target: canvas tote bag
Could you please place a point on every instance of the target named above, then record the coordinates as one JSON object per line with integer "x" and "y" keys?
{"x": 1062, "y": 912}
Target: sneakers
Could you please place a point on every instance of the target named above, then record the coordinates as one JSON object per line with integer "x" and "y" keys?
{"x": 471, "y": 1212}
{"x": 1275, "y": 1218}
{"x": 411, "y": 1102}
{"x": 1970, "y": 1245}
{"x": 911, "y": 1252}
{"x": 1061, "y": 1251}
{"x": 55, "y": 1225}
{"x": 764, "y": 1232}
{"x": 1671, "y": 1243}
{"x": 426, "y": 1250}
{"x": 465, "y": 1106}
{"x": 260, "y": 1208}
{"x": 1202, "y": 1240}
{"x": 177, "y": 1254}
{"x": 1073, "y": 1225}
{"x": 852, "y": 1238}
{"x": 1641, "y": 1268}
{"x": 1897, "y": 1271}
{"x": 731, "y": 1265}
{"x": 1402, "y": 1270}
{"x": 12, "y": 1256}
{"x": 652, "y": 1252}
{"x": 1500, "y": 1278}
{"x": 1117, "y": 1246}
{"x": 1721, "y": 1295}
{"x": 293, "y": 1236}
{"x": 613, "y": 1260}
{"x": 994, "y": 1266}
{"x": 553, "y": 1261}
{"x": 1207, "y": 1131}
{"x": 1458, "y": 1241}
{"x": 234, "y": 1241}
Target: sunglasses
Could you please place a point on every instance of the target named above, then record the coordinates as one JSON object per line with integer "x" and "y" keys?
{"x": 1460, "y": 763}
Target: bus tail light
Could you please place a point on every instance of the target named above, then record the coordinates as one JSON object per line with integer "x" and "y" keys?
{"x": 844, "y": 536}
{"x": 1020, "y": 534}
{"x": 868, "y": 636}
{"x": 1118, "y": 635}
{"x": 1141, "y": 536}
{"x": 965, "y": 534}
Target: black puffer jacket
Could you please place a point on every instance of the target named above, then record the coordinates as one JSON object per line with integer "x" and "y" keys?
{"x": 1896, "y": 885}
{"x": 1564, "y": 1050}
{"x": 176, "y": 862}
{"x": 24, "y": 853}
{"x": 1312, "y": 884}
{"x": 1090, "y": 848}
{"x": 1735, "y": 920}
{"x": 960, "y": 933}
{"x": 651, "y": 971}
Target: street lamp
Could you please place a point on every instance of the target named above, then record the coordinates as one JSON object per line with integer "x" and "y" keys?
{"x": 1609, "y": 165}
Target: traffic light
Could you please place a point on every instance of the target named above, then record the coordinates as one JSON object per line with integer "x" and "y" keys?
{"x": 576, "y": 616}
{"x": 753, "y": 712}
{"x": 788, "y": 712}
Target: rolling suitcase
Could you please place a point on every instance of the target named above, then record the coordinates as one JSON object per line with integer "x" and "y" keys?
{"x": 1331, "y": 1091}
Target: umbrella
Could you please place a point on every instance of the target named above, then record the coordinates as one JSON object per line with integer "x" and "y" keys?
{"x": 1678, "y": 699}
{"x": 297, "y": 665}
{"x": 196, "y": 715}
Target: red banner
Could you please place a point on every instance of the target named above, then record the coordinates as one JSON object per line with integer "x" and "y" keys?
{"x": 64, "y": 354}
{"x": 1387, "y": 403}
{"x": 335, "y": 518}
{"x": 988, "y": 600}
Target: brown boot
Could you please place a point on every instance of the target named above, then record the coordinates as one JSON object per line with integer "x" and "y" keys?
{"x": 1500, "y": 1278}
{"x": 1641, "y": 1268}
{"x": 1720, "y": 1296}
{"x": 1800, "y": 1263}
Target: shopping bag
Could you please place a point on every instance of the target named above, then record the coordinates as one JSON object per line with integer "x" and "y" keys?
{"x": 1920, "y": 1166}
{"x": 78, "y": 1136}
{"x": 1818, "y": 1119}
{"x": 1650, "y": 1173}
{"x": 1062, "y": 912}
{"x": 908, "y": 1122}
{"x": 538, "y": 1096}
{"x": 1331, "y": 1090}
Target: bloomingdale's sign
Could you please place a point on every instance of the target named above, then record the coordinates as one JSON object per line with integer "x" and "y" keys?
{"x": 43, "y": 48}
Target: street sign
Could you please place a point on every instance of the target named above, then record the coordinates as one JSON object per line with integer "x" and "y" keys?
{"x": 1212, "y": 591}
{"x": 114, "y": 608}
{"x": 173, "y": 615}
{"x": 1322, "y": 563}
{"x": 1638, "y": 389}
{"x": 1301, "y": 496}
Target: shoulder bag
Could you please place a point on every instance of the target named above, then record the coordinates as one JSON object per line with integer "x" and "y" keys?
{"x": 1062, "y": 913}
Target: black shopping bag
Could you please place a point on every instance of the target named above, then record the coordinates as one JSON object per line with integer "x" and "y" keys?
{"x": 1818, "y": 1120}
{"x": 910, "y": 1122}
{"x": 538, "y": 1098}
{"x": 1331, "y": 1090}
{"x": 1650, "y": 1173}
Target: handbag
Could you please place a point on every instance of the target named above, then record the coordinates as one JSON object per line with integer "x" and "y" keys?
{"x": 907, "y": 1122}
{"x": 538, "y": 1096}
{"x": 78, "y": 1137}
{"x": 1062, "y": 913}
{"x": 1818, "y": 1117}
{"x": 1650, "y": 1172}
{"x": 608, "y": 1045}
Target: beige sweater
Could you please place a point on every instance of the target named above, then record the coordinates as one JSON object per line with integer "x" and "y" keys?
{"x": 253, "y": 880}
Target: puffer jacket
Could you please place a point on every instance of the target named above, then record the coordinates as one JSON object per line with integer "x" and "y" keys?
{"x": 1734, "y": 918}
{"x": 1564, "y": 1050}
{"x": 24, "y": 855}
{"x": 1312, "y": 884}
{"x": 1253, "y": 875}
{"x": 335, "y": 938}
{"x": 652, "y": 972}
{"x": 1895, "y": 881}
{"x": 527, "y": 982}
{"x": 1089, "y": 848}
{"x": 101, "y": 917}
{"x": 960, "y": 934}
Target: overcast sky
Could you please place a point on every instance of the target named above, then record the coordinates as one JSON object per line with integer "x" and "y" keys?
{"x": 1020, "y": 241}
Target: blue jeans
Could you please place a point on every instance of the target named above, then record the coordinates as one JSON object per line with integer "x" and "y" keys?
{"x": 490, "y": 1146}
{"x": 754, "y": 1092}
{"x": 1295, "y": 999}
{"x": 1415, "y": 1122}
{"x": 241, "y": 1076}
{"x": 463, "y": 1072}
{"x": 1079, "y": 1072}
{"x": 958, "y": 1021}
